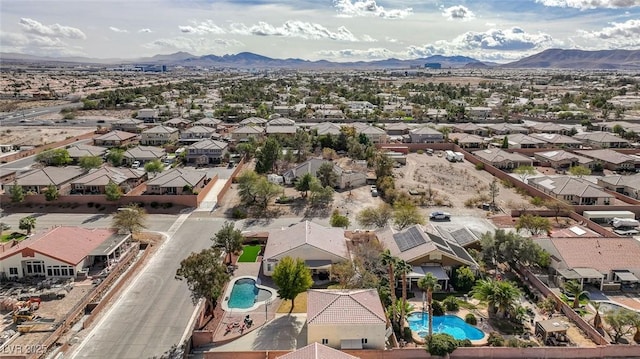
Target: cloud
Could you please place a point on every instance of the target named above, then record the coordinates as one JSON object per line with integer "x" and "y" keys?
{"x": 590, "y": 4}
{"x": 357, "y": 8}
{"x": 145, "y": 31}
{"x": 458, "y": 12}
{"x": 37, "y": 45}
{"x": 55, "y": 30}
{"x": 115, "y": 29}
{"x": 617, "y": 35}
{"x": 368, "y": 54}
{"x": 204, "y": 27}
{"x": 295, "y": 28}
{"x": 197, "y": 45}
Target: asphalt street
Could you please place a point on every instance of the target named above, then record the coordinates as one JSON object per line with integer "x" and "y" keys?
{"x": 26, "y": 117}
{"x": 25, "y": 164}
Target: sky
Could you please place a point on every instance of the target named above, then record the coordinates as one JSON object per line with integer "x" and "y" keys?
{"x": 335, "y": 30}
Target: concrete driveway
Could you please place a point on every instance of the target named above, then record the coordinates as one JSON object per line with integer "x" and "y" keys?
{"x": 285, "y": 332}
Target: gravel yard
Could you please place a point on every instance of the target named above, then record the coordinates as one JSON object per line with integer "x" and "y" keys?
{"x": 37, "y": 136}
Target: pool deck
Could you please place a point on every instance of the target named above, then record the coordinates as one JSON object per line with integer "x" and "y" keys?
{"x": 260, "y": 315}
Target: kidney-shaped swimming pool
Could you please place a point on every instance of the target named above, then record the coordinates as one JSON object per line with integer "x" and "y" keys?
{"x": 450, "y": 324}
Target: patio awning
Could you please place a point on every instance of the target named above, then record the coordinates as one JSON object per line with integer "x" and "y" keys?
{"x": 589, "y": 273}
{"x": 568, "y": 274}
{"x": 318, "y": 264}
{"x": 420, "y": 271}
{"x": 626, "y": 276}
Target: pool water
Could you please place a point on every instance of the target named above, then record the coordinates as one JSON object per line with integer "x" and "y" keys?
{"x": 244, "y": 293}
{"x": 449, "y": 324}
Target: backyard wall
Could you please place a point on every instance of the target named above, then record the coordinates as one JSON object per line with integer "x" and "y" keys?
{"x": 35, "y": 151}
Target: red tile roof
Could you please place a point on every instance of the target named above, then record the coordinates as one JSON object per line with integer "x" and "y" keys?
{"x": 343, "y": 306}
{"x": 317, "y": 351}
{"x": 603, "y": 254}
{"x": 66, "y": 244}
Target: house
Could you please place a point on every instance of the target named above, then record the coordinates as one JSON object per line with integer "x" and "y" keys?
{"x": 76, "y": 152}
{"x": 62, "y": 252}
{"x": 281, "y": 130}
{"x": 317, "y": 245}
{"x": 598, "y": 261}
{"x": 159, "y": 135}
{"x": 253, "y": 121}
{"x": 519, "y": 140}
{"x": 327, "y": 128}
{"x": 244, "y": 132}
{"x": 346, "y": 318}
{"x": 197, "y": 133}
{"x": 131, "y": 125}
{"x": 505, "y": 129}
{"x": 502, "y": 159}
{"x": 374, "y": 134}
{"x": 548, "y": 127}
{"x": 39, "y": 179}
{"x": 426, "y": 134}
{"x": 601, "y": 140}
{"x": 316, "y": 350}
{"x": 426, "y": 252}
{"x": 177, "y": 181}
{"x": 466, "y": 140}
{"x": 612, "y": 160}
{"x": 554, "y": 140}
{"x": 116, "y": 139}
{"x": 206, "y": 151}
{"x": 346, "y": 178}
{"x": 436, "y": 114}
{"x": 143, "y": 154}
{"x": 627, "y": 185}
{"x": 397, "y": 129}
{"x": 478, "y": 113}
{"x": 97, "y": 180}
{"x": 148, "y": 115}
{"x": 470, "y": 128}
{"x": 208, "y": 122}
{"x": 178, "y": 122}
{"x": 563, "y": 160}
{"x": 329, "y": 114}
{"x": 573, "y": 190}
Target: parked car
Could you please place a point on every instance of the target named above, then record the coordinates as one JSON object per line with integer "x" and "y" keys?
{"x": 374, "y": 193}
{"x": 439, "y": 216}
{"x": 135, "y": 164}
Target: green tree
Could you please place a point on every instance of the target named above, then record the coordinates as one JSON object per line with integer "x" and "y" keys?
{"x": 206, "y": 276}
{"x": 131, "y": 218}
{"x": 16, "y": 192}
{"x": 266, "y": 158}
{"x": 90, "y": 162}
{"x": 429, "y": 284}
{"x": 326, "y": 175}
{"x": 510, "y": 248}
{"x": 524, "y": 172}
{"x": 494, "y": 189}
{"x": 574, "y": 288}
{"x": 579, "y": 171}
{"x": 505, "y": 142}
{"x": 375, "y": 216}
{"x": 303, "y": 184}
{"x": 441, "y": 344}
{"x": 383, "y": 166}
{"x": 292, "y": 278}
{"x": 499, "y": 295}
{"x": 55, "y": 157}
{"x": 320, "y": 196}
{"x": 464, "y": 279}
{"x": 51, "y": 193}
{"x": 343, "y": 273}
{"x": 255, "y": 190}
{"x": 536, "y": 225}
{"x": 249, "y": 148}
{"x": 558, "y": 207}
{"x": 620, "y": 323}
{"x": 338, "y": 220}
{"x": 154, "y": 166}
{"x": 27, "y": 224}
{"x": 406, "y": 214}
{"x": 112, "y": 191}
{"x": 115, "y": 157}
{"x": 229, "y": 239}
{"x": 301, "y": 144}
{"x": 403, "y": 268}
{"x": 389, "y": 260}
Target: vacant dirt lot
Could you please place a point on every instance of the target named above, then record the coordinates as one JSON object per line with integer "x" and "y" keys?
{"x": 451, "y": 184}
{"x": 37, "y": 136}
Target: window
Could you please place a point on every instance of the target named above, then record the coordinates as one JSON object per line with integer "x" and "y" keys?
{"x": 13, "y": 271}
{"x": 269, "y": 267}
{"x": 325, "y": 341}
{"x": 364, "y": 340}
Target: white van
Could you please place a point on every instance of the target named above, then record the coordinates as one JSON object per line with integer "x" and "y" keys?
{"x": 135, "y": 164}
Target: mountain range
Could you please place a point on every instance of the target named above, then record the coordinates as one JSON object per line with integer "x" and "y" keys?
{"x": 548, "y": 59}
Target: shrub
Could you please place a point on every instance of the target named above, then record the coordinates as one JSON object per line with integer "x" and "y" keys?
{"x": 167, "y": 205}
{"x": 471, "y": 319}
{"x": 238, "y": 214}
{"x": 480, "y": 166}
{"x": 154, "y": 204}
{"x": 537, "y": 201}
{"x": 506, "y": 184}
{"x": 407, "y": 334}
{"x": 513, "y": 343}
{"x": 90, "y": 204}
{"x": 437, "y": 308}
{"x": 495, "y": 340}
{"x": 451, "y": 303}
{"x": 441, "y": 344}
{"x": 420, "y": 152}
{"x": 465, "y": 343}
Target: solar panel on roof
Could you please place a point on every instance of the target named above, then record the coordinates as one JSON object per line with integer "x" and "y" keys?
{"x": 408, "y": 239}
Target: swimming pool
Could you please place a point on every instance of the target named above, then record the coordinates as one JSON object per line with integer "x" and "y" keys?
{"x": 245, "y": 294}
{"x": 610, "y": 306}
{"x": 450, "y": 324}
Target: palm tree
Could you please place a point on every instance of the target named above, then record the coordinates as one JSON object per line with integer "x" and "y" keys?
{"x": 597, "y": 320}
{"x": 390, "y": 261}
{"x": 403, "y": 268}
{"x": 429, "y": 283}
{"x": 574, "y": 288}
{"x": 499, "y": 295}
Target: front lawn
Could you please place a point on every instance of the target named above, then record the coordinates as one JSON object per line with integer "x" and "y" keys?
{"x": 249, "y": 254}
{"x": 10, "y": 236}
{"x": 300, "y": 304}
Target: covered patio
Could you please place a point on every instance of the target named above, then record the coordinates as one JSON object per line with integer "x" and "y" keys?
{"x": 419, "y": 271}
{"x": 580, "y": 274}
{"x": 628, "y": 280}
